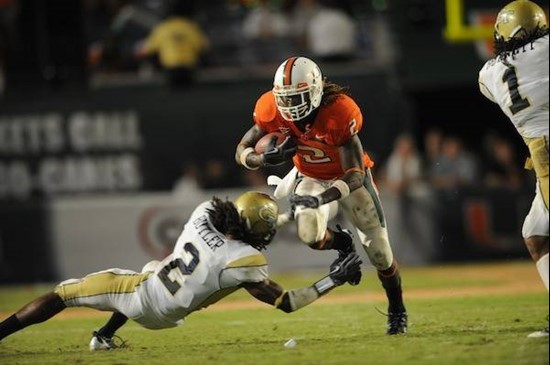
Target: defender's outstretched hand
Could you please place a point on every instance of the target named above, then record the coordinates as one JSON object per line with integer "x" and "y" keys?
{"x": 345, "y": 270}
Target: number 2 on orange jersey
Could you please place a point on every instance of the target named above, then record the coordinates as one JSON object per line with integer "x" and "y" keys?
{"x": 317, "y": 155}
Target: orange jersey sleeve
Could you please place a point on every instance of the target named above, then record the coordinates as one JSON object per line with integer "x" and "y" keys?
{"x": 265, "y": 113}
{"x": 344, "y": 120}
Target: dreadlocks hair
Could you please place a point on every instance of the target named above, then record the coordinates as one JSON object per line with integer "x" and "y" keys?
{"x": 228, "y": 221}
{"x": 332, "y": 91}
{"x": 504, "y": 49}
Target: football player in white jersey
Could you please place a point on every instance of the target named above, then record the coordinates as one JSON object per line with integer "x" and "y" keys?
{"x": 218, "y": 252}
{"x": 517, "y": 80}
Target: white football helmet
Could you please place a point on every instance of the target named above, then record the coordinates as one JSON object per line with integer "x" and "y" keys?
{"x": 298, "y": 88}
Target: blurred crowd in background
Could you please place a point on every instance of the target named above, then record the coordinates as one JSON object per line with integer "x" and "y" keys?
{"x": 179, "y": 36}
{"x": 443, "y": 162}
{"x": 124, "y": 35}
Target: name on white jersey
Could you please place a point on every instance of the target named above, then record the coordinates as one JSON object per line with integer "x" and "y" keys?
{"x": 212, "y": 239}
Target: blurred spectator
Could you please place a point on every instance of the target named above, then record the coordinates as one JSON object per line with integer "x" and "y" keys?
{"x": 454, "y": 168}
{"x": 113, "y": 28}
{"x": 502, "y": 168}
{"x": 189, "y": 183}
{"x": 432, "y": 145}
{"x": 301, "y": 16}
{"x": 179, "y": 43}
{"x": 131, "y": 14}
{"x": 265, "y": 22}
{"x": 404, "y": 167}
{"x": 332, "y": 34}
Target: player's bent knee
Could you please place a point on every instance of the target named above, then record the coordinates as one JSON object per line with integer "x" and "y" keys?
{"x": 310, "y": 229}
{"x": 381, "y": 261}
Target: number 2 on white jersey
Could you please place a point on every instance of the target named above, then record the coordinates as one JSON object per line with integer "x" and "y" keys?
{"x": 185, "y": 269}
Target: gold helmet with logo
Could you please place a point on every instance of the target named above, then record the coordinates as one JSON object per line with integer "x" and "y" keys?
{"x": 260, "y": 213}
{"x": 518, "y": 19}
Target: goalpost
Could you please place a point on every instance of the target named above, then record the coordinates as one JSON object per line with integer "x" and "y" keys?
{"x": 457, "y": 30}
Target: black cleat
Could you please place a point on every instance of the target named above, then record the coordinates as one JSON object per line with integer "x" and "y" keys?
{"x": 398, "y": 323}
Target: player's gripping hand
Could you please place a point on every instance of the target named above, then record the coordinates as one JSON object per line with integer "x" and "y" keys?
{"x": 276, "y": 155}
{"x": 306, "y": 201}
{"x": 342, "y": 271}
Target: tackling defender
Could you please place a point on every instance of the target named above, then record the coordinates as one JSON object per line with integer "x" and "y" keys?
{"x": 217, "y": 253}
{"x": 331, "y": 169}
{"x": 517, "y": 80}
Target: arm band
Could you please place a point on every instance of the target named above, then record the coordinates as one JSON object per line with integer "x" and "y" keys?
{"x": 342, "y": 187}
{"x": 293, "y": 300}
{"x": 299, "y": 298}
{"x": 245, "y": 155}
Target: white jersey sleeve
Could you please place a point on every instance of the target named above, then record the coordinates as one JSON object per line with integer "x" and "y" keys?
{"x": 246, "y": 269}
{"x": 519, "y": 85}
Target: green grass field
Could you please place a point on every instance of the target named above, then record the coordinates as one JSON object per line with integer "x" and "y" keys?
{"x": 478, "y": 314}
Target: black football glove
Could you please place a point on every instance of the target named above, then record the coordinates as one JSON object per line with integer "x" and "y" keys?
{"x": 306, "y": 201}
{"x": 345, "y": 270}
{"x": 278, "y": 155}
{"x": 343, "y": 253}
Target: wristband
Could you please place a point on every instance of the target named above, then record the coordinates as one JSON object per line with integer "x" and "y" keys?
{"x": 342, "y": 187}
{"x": 324, "y": 285}
{"x": 245, "y": 155}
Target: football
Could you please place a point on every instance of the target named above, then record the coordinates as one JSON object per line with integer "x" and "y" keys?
{"x": 263, "y": 144}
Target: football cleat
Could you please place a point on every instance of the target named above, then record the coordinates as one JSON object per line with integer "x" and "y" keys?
{"x": 398, "y": 323}
{"x": 539, "y": 334}
{"x": 101, "y": 343}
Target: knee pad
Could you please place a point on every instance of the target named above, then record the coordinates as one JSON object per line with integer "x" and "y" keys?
{"x": 311, "y": 226}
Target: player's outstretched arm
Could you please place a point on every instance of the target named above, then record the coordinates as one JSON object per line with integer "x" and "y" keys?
{"x": 290, "y": 301}
{"x": 352, "y": 161}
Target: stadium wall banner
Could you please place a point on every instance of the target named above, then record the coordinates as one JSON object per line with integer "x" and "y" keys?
{"x": 92, "y": 234}
{"x": 481, "y": 223}
{"x": 77, "y": 152}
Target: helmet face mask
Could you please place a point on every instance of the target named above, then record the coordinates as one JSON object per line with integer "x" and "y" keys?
{"x": 294, "y": 105}
{"x": 298, "y": 88}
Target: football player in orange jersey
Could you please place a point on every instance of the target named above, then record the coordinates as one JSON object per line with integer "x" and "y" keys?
{"x": 331, "y": 170}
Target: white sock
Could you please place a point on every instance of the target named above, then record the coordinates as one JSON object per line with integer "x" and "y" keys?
{"x": 542, "y": 267}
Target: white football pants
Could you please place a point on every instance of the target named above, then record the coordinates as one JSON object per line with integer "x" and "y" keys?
{"x": 362, "y": 208}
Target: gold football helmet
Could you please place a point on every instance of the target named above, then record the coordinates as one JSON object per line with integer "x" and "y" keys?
{"x": 260, "y": 212}
{"x": 520, "y": 17}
